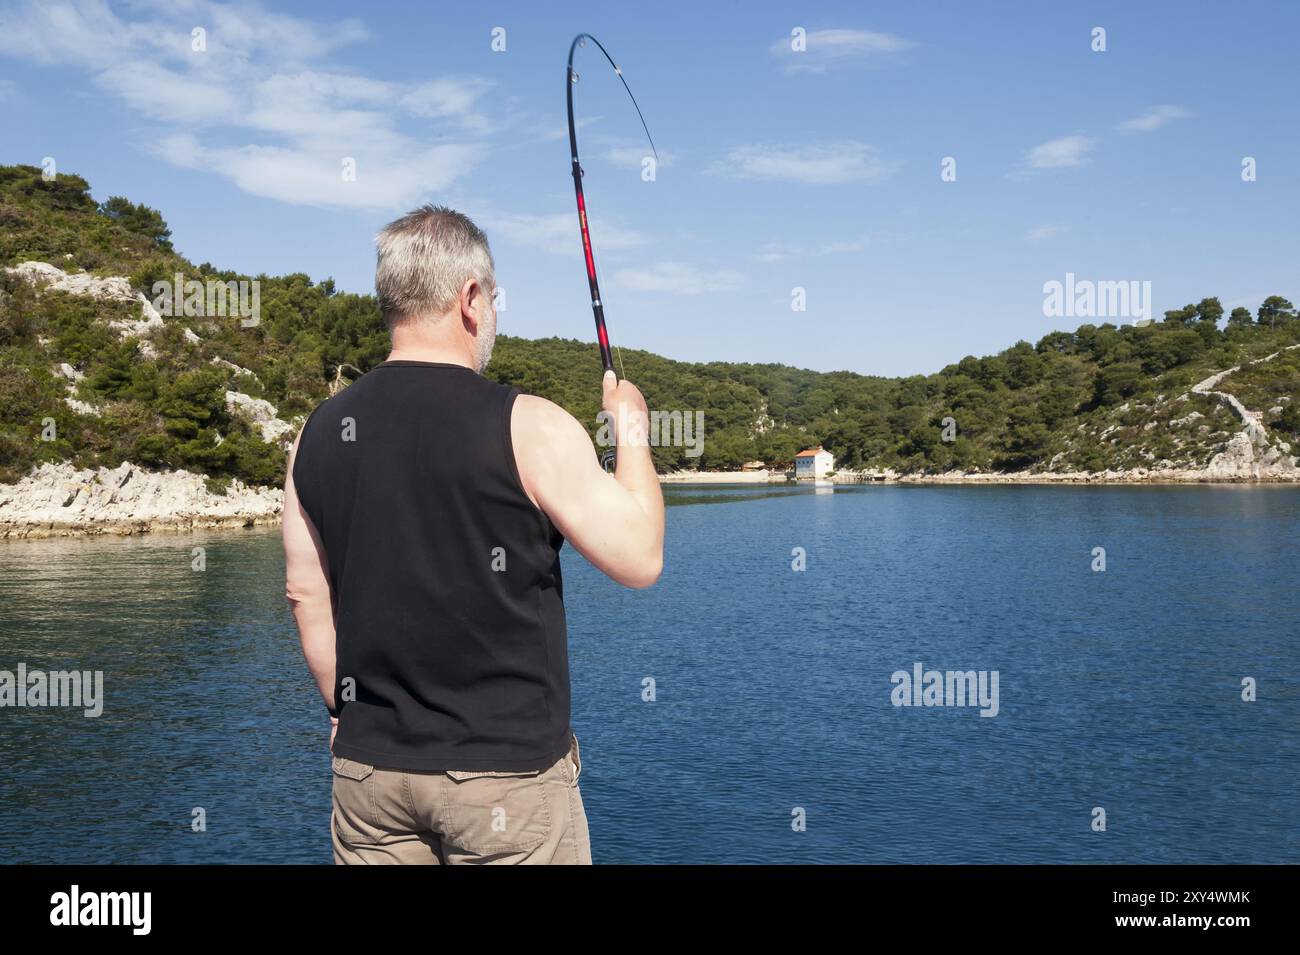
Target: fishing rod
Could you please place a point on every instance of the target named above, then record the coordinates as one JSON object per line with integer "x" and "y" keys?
{"x": 571, "y": 79}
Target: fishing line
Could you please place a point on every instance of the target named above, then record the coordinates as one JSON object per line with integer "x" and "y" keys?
{"x": 570, "y": 80}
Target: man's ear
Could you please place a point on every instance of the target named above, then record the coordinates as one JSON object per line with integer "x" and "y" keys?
{"x": 470, "y": 293}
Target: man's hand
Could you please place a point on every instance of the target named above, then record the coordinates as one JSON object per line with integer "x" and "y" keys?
{"x": 334, "y": 731}
{"x": 625, "y": 403}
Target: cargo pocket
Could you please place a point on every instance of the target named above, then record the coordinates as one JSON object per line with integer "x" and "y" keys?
{"x": 496, "y": 811}
{"x": 354, "y": 802}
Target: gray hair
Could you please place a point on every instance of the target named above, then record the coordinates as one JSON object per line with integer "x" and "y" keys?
{"x": 424, "y": 259}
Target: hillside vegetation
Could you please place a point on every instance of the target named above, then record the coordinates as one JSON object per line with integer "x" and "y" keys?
{"x": 1099, "y": 397}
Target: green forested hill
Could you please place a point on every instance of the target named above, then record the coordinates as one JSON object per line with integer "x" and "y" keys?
{"x": 1093, "y": 398}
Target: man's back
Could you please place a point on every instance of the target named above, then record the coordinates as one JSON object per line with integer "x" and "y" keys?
{"x": 424, "y": 511}
{"x": 446, "y": 577}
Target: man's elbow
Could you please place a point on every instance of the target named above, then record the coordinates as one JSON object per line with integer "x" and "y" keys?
{"x": 646, "y": 573}
{"x": 298, "y": 594}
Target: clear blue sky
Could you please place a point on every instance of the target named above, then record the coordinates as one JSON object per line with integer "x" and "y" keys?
{"x": 819, "y": 169}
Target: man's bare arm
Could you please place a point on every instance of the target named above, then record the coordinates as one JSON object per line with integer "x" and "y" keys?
{"x": 615, "y": 521}
{"x": 307, "y": 588}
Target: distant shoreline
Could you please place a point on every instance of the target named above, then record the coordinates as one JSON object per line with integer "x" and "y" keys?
{"x": 1151, "y": 477}
{"x": 59, "y": 501}
{"x": 724, "y": 477}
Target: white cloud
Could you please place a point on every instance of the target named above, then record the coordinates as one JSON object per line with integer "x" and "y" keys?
{"x": 1043, "y": 232}
{"x": 554, "y": 133}
{"x": 558, "y": 232}
{"x": 779, "y": 252}
{"x": 303, "y": 177}
{"x": 631, "y": 157}
{"x": 249, "y": 29}
{"x": 58, "y": 34}
{"x": 7, "y": 89}
{"x": 1153, "y": 119}
{"x": 830, "y": 48}
{"x": 680, "y": 278}
{"x": 89, "y": 34}
{"x": 442, "y": 98}
{"x": 820, "y": 165}
{"x": 1060, "y": 153}
{"x": 170, "y": 96}
{"x": 256, "y": 107}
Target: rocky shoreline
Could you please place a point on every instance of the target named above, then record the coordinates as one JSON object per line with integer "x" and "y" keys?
{"x": 1281, "y": 471}
{"x": 1138, "y": 476}
{"x": 59, "y": 500}
{"x": 723, "y": 477}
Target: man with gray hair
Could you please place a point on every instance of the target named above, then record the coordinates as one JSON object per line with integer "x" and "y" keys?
{"x": 424, "y": 510}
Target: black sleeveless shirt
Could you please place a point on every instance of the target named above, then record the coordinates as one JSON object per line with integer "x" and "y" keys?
{"x": 448, "y": 601}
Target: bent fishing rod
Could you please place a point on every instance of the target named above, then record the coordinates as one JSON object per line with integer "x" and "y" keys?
{"x": 570, "y": 80}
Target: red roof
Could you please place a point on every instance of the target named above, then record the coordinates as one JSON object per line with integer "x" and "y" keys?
{"x": 810, "y": 453}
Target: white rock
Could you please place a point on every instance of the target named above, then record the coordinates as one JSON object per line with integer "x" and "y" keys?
{"x": 80, "y": 406}
{"x": 60, "y": 500}
{"x": 237, "y": 369}
{"x": 112, "y": 289}
{"x": 49, "y": 276}
{"x": 262, "y": 413}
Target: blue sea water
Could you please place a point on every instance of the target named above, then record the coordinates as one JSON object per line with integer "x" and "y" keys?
{"x": 771, "y": 686}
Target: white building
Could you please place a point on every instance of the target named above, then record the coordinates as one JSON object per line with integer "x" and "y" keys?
{"x": 813, "y": 464}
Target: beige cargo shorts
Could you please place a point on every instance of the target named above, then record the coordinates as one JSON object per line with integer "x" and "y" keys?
{"x": 392, "y": 817}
